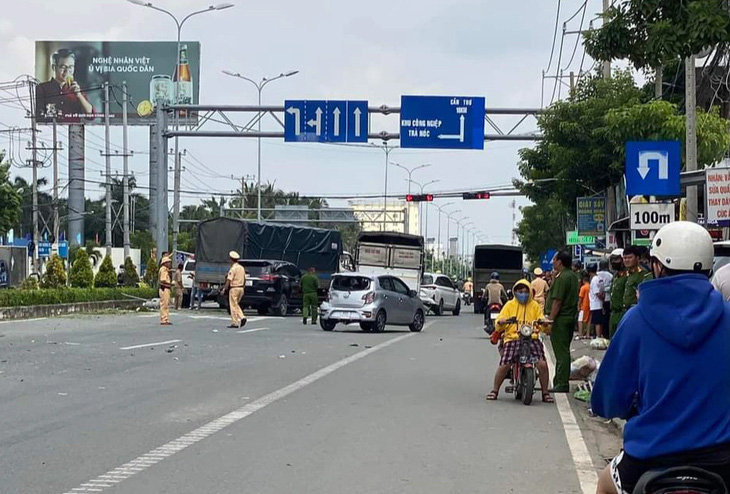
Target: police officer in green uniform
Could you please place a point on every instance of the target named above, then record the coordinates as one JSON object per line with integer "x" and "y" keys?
{"x": 562, "y": 305}
{"x": 310, "y": 301}
{"x": 617, "y": 290}
{"x": 635, "y": 276}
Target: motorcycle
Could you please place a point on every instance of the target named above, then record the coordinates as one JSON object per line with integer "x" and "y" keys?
{"x": 466, "y": 298}
{"x": 490, "y": 316}
{"x": 680, "y": 480}
{"x": 524, "y": 373}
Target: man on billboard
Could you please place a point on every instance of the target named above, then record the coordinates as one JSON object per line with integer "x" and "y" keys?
{"x": 62, "y": 96}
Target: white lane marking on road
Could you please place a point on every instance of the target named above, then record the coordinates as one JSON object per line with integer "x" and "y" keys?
{"x": 24, "y": 320}
{"x": 149, "y": 344}
{"x": 584, "y": 467}
{"x": 252, "y": 330}
{"x": 221, "y": 318}
{"x": 155, "y": 456}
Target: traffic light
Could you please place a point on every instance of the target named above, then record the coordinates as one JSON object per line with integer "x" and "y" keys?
{"x": 475, "y": 195}
{"x": 419, "y": 198}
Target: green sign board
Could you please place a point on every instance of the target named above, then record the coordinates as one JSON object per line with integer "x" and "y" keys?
{"x": 591, "y": 215}
{"x": 572, "y": 238}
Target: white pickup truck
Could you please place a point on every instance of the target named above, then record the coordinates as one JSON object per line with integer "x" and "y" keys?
{"x": 396, "y": 254}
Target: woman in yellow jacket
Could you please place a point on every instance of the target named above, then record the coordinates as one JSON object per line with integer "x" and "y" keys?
{"x": 524, "y": 310}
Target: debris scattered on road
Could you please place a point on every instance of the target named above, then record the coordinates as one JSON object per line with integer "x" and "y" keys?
{"x": 175, "y": 358}
{"x": 368, "y": 346}
{"x": 171, "y": 348}
{"x": 215, "y": 330}
{"x": 354, "y": 344}
{"x": 101, "y": 387}
{"x": 282, "y": 356}
{"x": 62, "y": 394}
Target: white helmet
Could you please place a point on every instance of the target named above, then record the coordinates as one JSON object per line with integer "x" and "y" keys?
{"x": 617, "y": 253}
{"x": 683, "y": 246}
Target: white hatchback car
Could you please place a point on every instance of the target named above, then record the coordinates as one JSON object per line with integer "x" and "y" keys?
{"x": 440, "y": 294}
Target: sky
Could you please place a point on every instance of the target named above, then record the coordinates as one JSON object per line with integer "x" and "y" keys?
{"x": 343, "y": 49}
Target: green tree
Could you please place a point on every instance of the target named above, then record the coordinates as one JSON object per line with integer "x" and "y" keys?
{"x": 106, "y": 277}
{"x": 152, "y": 272}
{"x": 582, "y": 152}
{"x": 653, "y": 33}
{"x": 130, "y": 276}
{"x": 81, "y": 275}
{"x": 10, "y": 201}
{"x": 542, "y": 228}
{"x": 55, "y": 275}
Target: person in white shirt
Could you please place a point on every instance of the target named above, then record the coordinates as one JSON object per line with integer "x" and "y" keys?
{"x": 607, "y": 277}
{"x": 596, "y": 296}
{"x": 721, "y": 281}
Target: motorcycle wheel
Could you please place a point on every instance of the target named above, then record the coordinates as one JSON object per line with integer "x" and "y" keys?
{"x": 527, "y": 383}
{"x": 517, "y": 382}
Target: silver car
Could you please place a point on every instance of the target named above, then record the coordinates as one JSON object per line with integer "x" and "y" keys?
{"x": 372, "y": 301}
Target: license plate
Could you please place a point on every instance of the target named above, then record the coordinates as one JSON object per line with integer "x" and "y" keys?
{"x": 493, "y": 316}
{"x": 249, "y": 282}
{"x": 204, "y": 286}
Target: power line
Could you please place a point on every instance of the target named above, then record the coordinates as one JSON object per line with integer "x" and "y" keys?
{"x": 555, "y": 36}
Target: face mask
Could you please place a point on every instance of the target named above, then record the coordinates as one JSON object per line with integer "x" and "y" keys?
{"x": 522, "y": 297}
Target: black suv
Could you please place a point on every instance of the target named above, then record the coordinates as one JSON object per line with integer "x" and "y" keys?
{"x": 271, "y": 285}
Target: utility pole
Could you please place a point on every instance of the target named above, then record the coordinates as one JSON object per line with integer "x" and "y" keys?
{"x": 607, "y": 63}
{"x": 125, "y": 178}
{"x": 34, "y": 158}
{"x": 176, "y": 199}
{"x": 243, "y": 180}
{"x": 107, "y": 152}
{"x": 691, "y": 134}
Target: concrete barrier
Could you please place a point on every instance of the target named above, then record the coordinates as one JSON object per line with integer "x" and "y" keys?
{"x": 35, "y": 311}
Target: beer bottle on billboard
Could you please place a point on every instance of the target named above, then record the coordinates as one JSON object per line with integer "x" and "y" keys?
{"x": 184, "y": 79}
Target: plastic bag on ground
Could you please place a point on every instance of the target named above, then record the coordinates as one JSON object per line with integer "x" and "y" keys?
{"x": 582, "y": 367}
{"x": 599, "y": 343}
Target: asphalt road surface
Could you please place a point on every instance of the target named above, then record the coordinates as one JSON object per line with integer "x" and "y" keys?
{"x": 119, "y": 404}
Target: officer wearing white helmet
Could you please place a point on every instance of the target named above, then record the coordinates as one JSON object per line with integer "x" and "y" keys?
{"x": 667, "y": 368}
{"x": 721, "y": 281}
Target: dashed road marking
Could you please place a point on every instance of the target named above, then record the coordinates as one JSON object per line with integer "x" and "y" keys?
{"x": 141, "y": 463}
{"x": 150, "y": 344}
{"x": 252, "y": 330}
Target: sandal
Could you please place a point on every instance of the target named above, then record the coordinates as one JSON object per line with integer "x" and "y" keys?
{"x": 493, "y": 395}
{"x": 547, "y": 398}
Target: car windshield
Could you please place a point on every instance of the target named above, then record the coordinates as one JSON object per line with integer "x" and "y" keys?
{"x": 190, "y": 266}
{"x": 427, "y": 279}
{"x": 350, "y": 283}
{"x": 257, "y": 269}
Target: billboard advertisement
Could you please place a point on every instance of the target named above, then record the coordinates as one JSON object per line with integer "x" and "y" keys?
{"x": 71, "y": 76}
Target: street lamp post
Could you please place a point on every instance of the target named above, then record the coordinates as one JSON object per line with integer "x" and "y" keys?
{"x": 438, "y": 235}
{"x": 410, "y": 176}
{"x": 448, "y": 240}
{"x": 162, "y": 188}
{"x": 462, "y": 263}
{"x": 424, "y": 221}
{"x": 260, "y": 87}
{"x": 387, "y": 151}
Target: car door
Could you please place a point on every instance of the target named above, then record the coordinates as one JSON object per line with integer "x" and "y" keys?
{"x": 443, "y": 292}
{"x": 405, "y": 302}
{"x": 451, "y": 291}
{"x": 390, "y": 301}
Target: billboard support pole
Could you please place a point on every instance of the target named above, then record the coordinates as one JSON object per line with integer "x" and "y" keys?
{"x": 108, "y": 171}
{"x": 76, "y": 206}
{"x": 162, "y": 220}
{"x": 153, "y": 174}
{"x": 125, "y": 178}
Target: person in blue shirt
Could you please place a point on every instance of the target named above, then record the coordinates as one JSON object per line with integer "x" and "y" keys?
{"x": 667, "y": 370}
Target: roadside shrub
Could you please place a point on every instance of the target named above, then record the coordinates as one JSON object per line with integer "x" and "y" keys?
{"x": 152, "y": 272}
{"x": 30, "y": 283}
{"x": 106, "y": 277}
{"x": 81, "y": 275}
{"x": 18, "y": 298}
{"x": 55, "y": 275}
{"x": 130, "y": 276}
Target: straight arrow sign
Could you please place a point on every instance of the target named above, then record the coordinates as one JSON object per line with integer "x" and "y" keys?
{"x": 358, "y": 114}
{"x": 336, "y": 118}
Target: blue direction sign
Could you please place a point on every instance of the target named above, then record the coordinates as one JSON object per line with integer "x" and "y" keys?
{"x": 652, "y": 168}
{"x": 63, "y": 250}
{"x": 44, "y": 249}
{"x": 442, "y": 122}
{"x": 546, "y": 260}
{"x": 325, "y": 121}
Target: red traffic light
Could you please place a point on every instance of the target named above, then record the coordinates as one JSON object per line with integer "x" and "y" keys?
{"x": 476, "y": 195}
{"x": 419, "y": 198}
